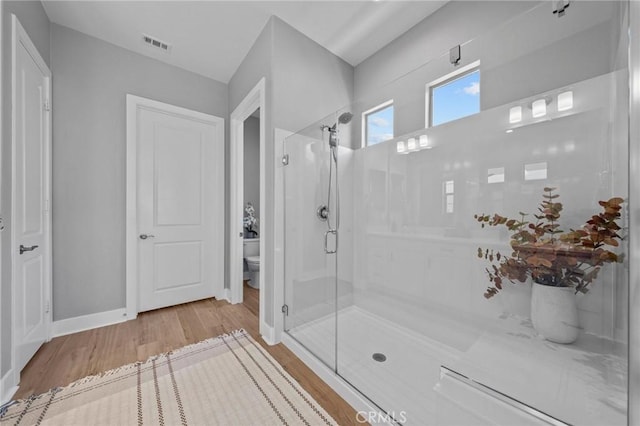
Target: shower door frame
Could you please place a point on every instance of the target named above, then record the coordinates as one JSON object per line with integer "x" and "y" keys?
{"x": 280, "y": 139}
{"x": 633, "y": 372}
{"x": 327, "y": 373}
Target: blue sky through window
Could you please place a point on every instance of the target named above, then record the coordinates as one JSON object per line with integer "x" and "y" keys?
{"x": 456, "y": 99}
{"x": 380, "y": 125}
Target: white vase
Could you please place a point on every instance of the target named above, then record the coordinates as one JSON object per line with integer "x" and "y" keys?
{"x": 554, "y": 313}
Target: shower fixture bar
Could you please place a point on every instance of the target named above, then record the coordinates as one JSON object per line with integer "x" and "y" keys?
{"x": 323, "y": 211}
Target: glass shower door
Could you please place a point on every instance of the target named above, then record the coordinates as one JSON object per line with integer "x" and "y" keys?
{"x": 310, "y": 271}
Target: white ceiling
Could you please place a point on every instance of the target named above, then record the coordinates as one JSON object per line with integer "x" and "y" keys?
{"x": 212, "y": 38}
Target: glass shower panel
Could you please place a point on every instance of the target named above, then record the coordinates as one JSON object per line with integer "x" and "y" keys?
{"x": 417, "y": 284}
{"x": 310, "y": 272}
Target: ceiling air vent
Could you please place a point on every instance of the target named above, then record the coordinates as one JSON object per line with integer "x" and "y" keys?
{"x": 156, "y": 43}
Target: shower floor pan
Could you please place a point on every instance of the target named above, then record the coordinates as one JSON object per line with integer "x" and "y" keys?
{"x": 403, "y": 383}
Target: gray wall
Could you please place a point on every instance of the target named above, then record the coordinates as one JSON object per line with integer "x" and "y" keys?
{"x": 252, "y": 164}
{"x": 254, "y": 66}
{"x": 33, "y": 18}
{"x": 303, "y": 82}
{"x": 91, "y": 80}
{"x": 309, "y": 82}
{"x": 522, "y": 47}
{"x": 455, "y": 23}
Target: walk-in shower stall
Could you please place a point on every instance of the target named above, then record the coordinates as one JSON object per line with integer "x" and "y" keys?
{"x": 384, "y": 282}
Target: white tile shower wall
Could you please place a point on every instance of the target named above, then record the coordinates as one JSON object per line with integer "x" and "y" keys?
{"x": 345, "y": 250}
{"x": 411, "y": 253}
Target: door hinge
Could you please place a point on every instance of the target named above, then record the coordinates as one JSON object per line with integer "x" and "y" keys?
{"x": 285, "y": 310}
{"x": 47, "y": 307}
{"x": 47, "y": 105}
{"x": 285, "y": 160}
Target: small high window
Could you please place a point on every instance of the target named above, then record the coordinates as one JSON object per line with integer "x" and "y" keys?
{"x": 454, "y": 96}
{"x": 377, "y": 124}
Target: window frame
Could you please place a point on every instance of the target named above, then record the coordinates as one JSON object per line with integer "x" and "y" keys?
{"x": 445, "y": 79}
{"x": 365, "y": 139}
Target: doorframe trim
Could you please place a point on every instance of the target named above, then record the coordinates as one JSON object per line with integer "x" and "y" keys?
{"x": 2, "y": 387}
{"x": 19, "y": 34}
{"x": 133, "y": 105}
{"x": 255, "y": 99}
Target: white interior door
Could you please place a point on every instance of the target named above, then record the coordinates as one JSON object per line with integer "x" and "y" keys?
{"x": 31, "y": 194}
{"x": 180, "y": 200}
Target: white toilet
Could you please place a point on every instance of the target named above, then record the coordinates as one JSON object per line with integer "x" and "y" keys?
{"x": 252, "y": 257}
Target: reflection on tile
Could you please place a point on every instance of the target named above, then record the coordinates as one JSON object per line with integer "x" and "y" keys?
{"x": 569, "y": 146}
{"x": 535, "y": 171}
{"x": 495, "y": 175}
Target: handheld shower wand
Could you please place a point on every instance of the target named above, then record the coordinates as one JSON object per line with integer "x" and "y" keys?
{"x": 324, "y": 212}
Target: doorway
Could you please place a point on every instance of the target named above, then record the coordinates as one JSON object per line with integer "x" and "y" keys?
{"x": 251, "y": 214}
{"x": 250, "y": 112}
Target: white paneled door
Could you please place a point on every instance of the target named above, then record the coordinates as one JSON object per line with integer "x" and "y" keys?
{"x": 31, "y": 197}
{"x": 180, "y": 201}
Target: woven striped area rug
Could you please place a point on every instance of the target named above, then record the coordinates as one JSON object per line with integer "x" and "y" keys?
{"x": 227, "y": 380}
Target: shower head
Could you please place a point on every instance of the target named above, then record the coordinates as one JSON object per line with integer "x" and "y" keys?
{"x": 345, "y": 118}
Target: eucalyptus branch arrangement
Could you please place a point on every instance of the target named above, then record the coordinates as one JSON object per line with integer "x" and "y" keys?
{"x": 548, "y": 255}
{"x": 249, "y": 220}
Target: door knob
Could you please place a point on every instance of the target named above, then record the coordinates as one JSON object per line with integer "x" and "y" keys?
{"x": 145, "y": 236}
{"x": 23, "y": 248}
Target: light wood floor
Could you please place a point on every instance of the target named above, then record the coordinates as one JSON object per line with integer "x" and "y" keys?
{"x": 69, "y": 358}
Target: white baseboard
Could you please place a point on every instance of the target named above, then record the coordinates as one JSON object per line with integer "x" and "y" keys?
{"x": 226, "y": 295}
{"x": 268, "y": 334}
{"x": 8, "y": 387}
{"x": 342, "y": 388}
{"x": 88, "y": 322}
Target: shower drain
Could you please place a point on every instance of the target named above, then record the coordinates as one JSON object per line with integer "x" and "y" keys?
{"x": 379, "y": 357}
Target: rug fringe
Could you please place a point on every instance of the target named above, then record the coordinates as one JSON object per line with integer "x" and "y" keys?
{"x": 238, "y": 332}
{"x": 126, "y": 367}
{"x": 228, "y": 361}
